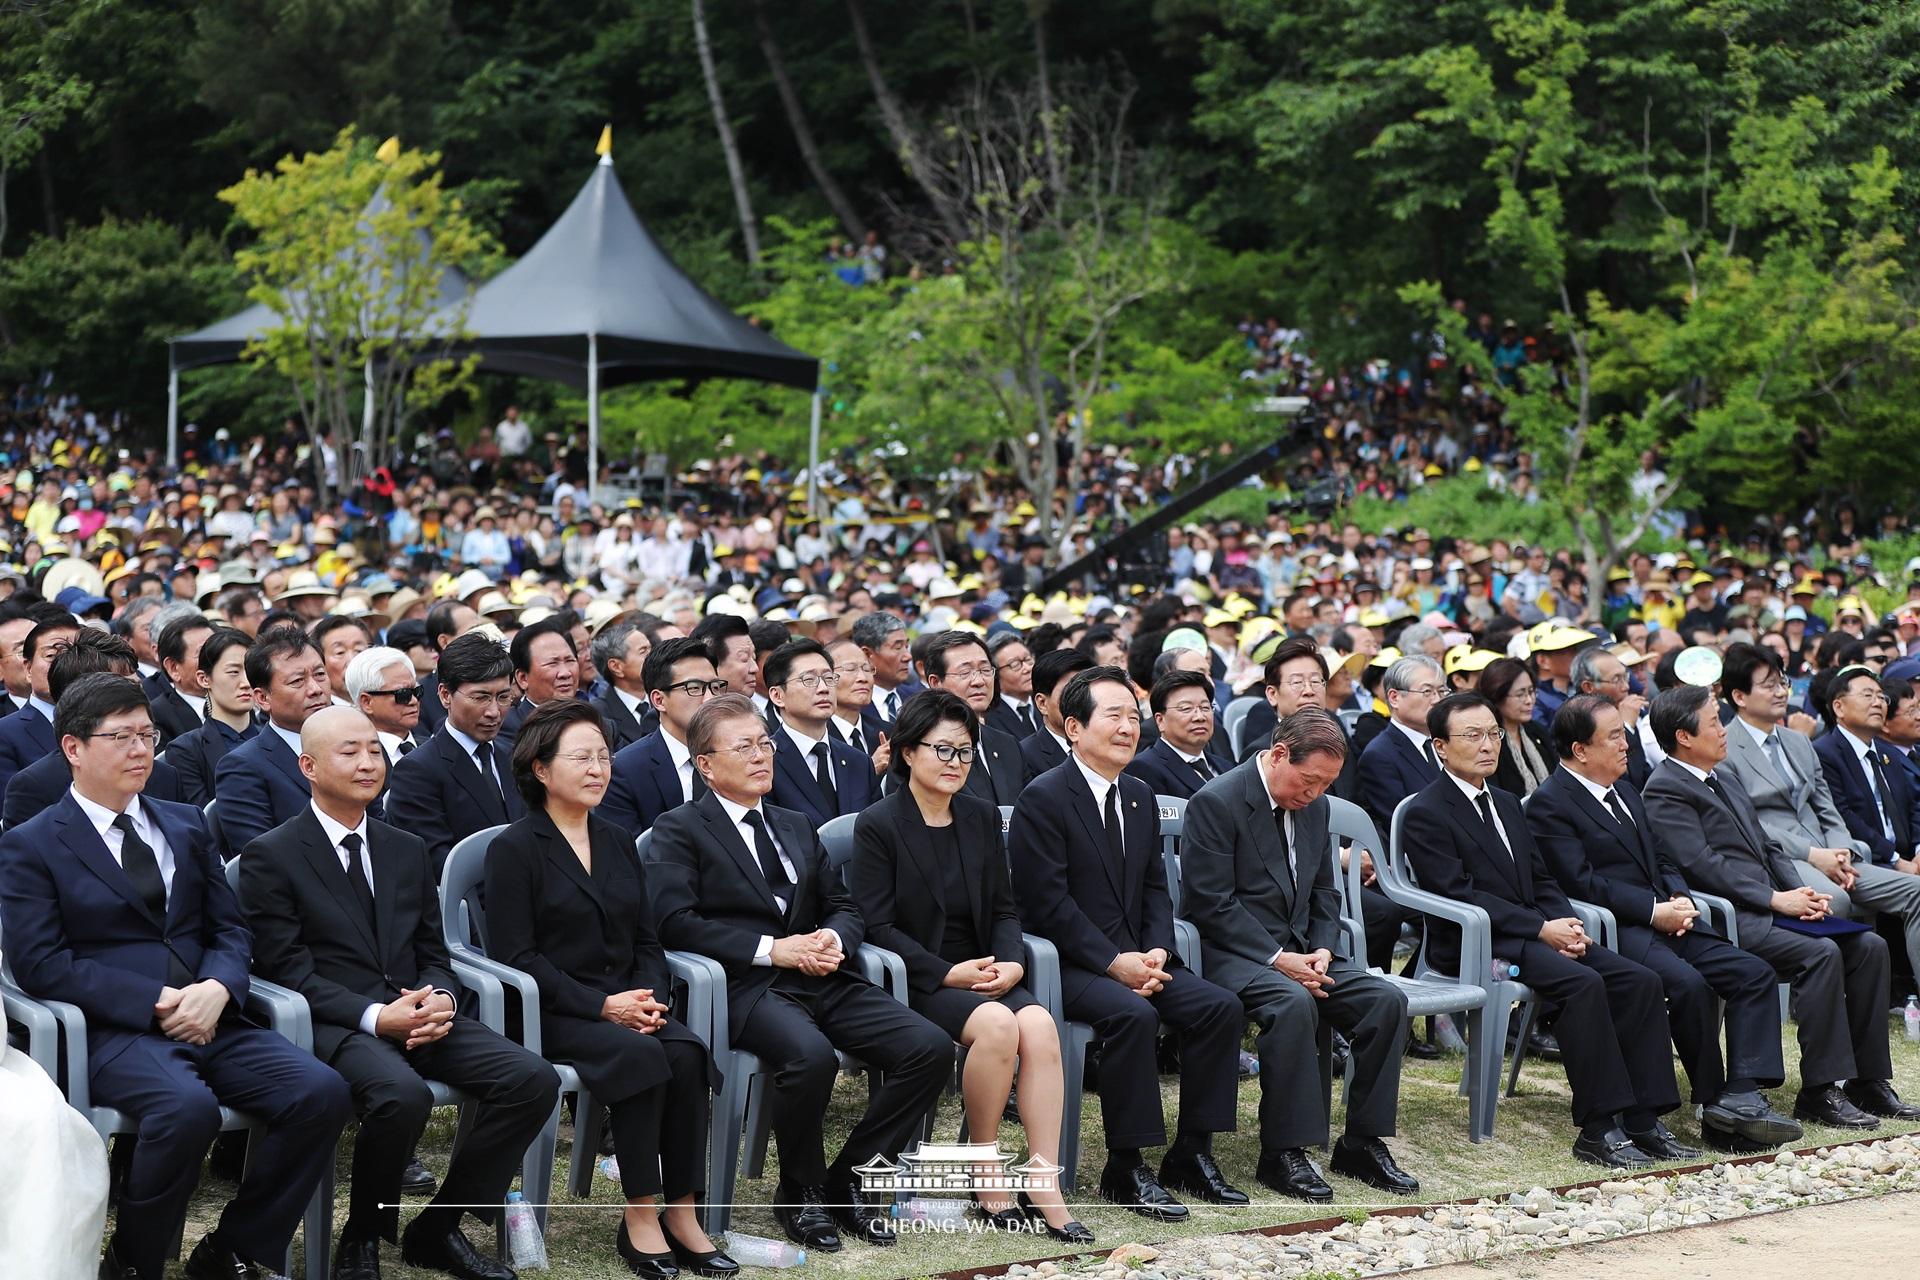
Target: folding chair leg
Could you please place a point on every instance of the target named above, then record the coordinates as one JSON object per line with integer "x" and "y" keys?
{"x": 1479, "y": 1106}
{"x": 536, "y": 1166}
{"x": 1489, "y": 1055}
{"x": 318, "y": 1226}
{"x": 723, "y": 1150}
{"x": 589, "y": 1119}
{"x": 758, "y": 1125}
{"x": 1527, "y": 1012}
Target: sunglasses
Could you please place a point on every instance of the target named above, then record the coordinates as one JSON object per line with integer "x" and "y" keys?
{"x": 401, "y": 697}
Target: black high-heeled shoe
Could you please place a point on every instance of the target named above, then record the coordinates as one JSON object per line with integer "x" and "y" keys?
{"x": 651, "y": 1266}
{"x": 1072, "y": 1233}
{"x": 711, "y": 1263}
{"x": 1011, "y": 1218}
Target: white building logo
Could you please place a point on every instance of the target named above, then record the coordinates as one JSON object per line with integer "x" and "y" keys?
{"x": 939, "y": 1169}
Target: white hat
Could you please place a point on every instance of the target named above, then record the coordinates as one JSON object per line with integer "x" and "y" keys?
{"x": 471, "y": 583}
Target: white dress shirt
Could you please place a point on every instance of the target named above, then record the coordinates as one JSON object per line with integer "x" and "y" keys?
{"x": 41, "y": 705}
{"x": 196, "y": 702}
{"x": 144, "y": 826}
{"x": 1421, "y": 742}
{"x": 289, "y": 736}
{"x": 737, "y": 813}
{"x": 370, "y": 1016}
{"x": 1863, "y": 751}
{"x": 682, "y": 756}
{"x": 850, "y": 727}
{"x": 636, "y": 707}
{"x": 1473, "y": 794}
{"x": 806, "y": 746}
{"x": 1099, "y": 785}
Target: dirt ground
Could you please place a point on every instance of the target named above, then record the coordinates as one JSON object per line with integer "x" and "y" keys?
{"x": 1776, "y": 1246}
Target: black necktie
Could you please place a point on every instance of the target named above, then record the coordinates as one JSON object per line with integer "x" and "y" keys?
{"x": 1026, "y": 717}
{"x": 823, "y": 777}
{"x": 406, "y": 745}
{"x": 357, "y": 875}
{"x": 137, "y": 860}
{"x": 854, "y": 741}
{"x": 1713, "y": 785}
{"x": 1116, "y": 844}
{"x": 1205, "y": 771}
{"x": 1485, "y": 803}
{"x": 1881, "y": 793}
{"x": 768, "y": 855}
{"x": 1280, "y": 826}
{"x": 1426, "y": 749}
{"x": 1619, "y": 810}
{"x": 483, "y": 756}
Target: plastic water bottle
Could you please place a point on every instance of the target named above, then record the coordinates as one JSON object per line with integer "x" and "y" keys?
{"x": 758, "y": 1251}
{"x": 524, "y": 1240}
{"x": 609, "y": 1167}
{"x": 1249, "y": 1063}
{"x": 934, "y": 1213}
{"x": 1505, "y": 970}
{"x": 1912, "y": 1015}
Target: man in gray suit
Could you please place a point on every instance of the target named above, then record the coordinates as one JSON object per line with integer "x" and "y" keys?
{"x": 1258, "y": 875}
{"x": 1703, "y": 820}
{"x": 1782, "y": 773}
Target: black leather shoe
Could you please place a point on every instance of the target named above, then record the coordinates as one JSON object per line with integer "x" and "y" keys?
{"x": 212, "y": 1260}
{"x": 1543, "y": 1045}
{"x": 1612, "y": 1149}
{"x": 1137, "y": 1189}
{"x": 418, "y": 1180}
{"x": 1292, "y": 1172}
{"x": 1660, "y": 1143}
{"x": 856, "y": 1218}
{"x": 111, "y": 1268}
{"x": 1418, "y": 1048}
{"x": 1368, "y": 1160}
{"x": 802, "y": 1214}
{"x": 1072, "y": 1233}
{"x": 1199, "y": 1178}
{"x": 1829, "y": 1105}
{"x": 1745, "y": 1122}
{"x": 1877, "y": 1098}
{"x": 356, "y": 1260}
{"x": 713, "y": 1262}
{"x": 1011, "y": 1218}
{"x": 649, "y": 1266}
{"x": 452, "y": 1253}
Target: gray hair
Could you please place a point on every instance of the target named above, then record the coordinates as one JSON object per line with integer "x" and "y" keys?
{"x": 870, "y": 630}
{"x": 611, "y": 640}
{"x": 138, "y": 608}
{"x": 1401, "y": 675}
{"x": 171, "y": 612}
{"x": 1004, "y": 640}
{"x": 1309, "y": 731}
{"x": 1416, "y": 636}
{"x": 368, "y": 669}
{"x": 1586, "y": 664}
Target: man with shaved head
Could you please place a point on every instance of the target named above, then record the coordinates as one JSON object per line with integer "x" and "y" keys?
{"x": 344, "y": 911}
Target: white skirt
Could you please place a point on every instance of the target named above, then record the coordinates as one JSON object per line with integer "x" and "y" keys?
{"x": 53, "y": 1169}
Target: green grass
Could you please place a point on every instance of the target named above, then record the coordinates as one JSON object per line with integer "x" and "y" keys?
{"x": 1531, "y": 1147}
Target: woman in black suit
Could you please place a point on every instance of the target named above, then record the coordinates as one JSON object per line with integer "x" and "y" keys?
{"x": 1526, "y": 755}
{"x": 567, "y": 902}
{"x": 929, "y": 873}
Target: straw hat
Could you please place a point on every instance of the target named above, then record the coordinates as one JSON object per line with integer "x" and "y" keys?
{"x": 471, "y": 583}
{"x": 73, "y": 572}
{"x": 303, "y": 582}
{"x": 495, "y": 603}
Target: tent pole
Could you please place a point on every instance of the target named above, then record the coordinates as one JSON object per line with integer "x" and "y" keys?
{"x": 813, "y": 459}
{"x": 173, "y": 411}
{"x": 593, "y": 414}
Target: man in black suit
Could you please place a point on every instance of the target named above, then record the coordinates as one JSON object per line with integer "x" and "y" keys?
{"x": 1470, "y": 842}
{"x": 27, "y": 735}
{"x": 446, "y": 622}
{"x": 1703, "y": 821}
{"x": 1013, "y": 712}
{"x": 546, "y": 667}
{"x": 117, "y": 903}
{"x": 1259, "y": 884}
{"x": 1295, "y": 676}
{"x": 195, "y": 755}
{"x": 182, "y": 705}
{"x": 1598, "y": 841}
{"x": 957, "y": 661}
{"x": 748, "y": 884}
{"x": 345, "y": 911}
{"x": 461, "y": 781}
{"x": 259, "y": 784}
{"x": 1177, "y": 764}
{"x": 1597, "y": 670}
{"x": 620, "y": 650}
{"x": 1402, "y": 759}
{"x": 657, "y": 773}
{"x": 383, "y": 687}
{"x": 884, "y": 638}
{"x": 1086, "y": 857}
{"x": 1046, "y": 748}
{"x": 812, "y": 774}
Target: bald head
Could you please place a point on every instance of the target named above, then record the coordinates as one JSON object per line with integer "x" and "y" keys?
{"x": 341, "y": 757}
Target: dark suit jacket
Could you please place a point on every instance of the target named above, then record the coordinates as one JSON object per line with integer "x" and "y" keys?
{"x": 1161, "y": 768}
{"x": 1040, "y": 752}
{"x": 1003, "y": 717}
{"x": 621, "y": 723}
{"x": 310, "y": 934}
{"x": 644, "y": 785}
{"x": 1391, "y": 769}
{"x": 196, "y": 755}
{"x": 171, "y": 715}
{"x": 436, "y": 792}
{"x": 794, "y": 786}
{"x": 259, "y": 786}
{"x": 1256, "y": 733}
{"x": 1069, "y": 893}
{"x": 1853, "y": 794}
{"x": 1722, "y": 850}
{"x": 711, "y": 897}
{"x": 1237, "y": 888}
{"x": 24, "y": 737}
{"x": 901, "y": 893}
{"x": 1506, "y": 775}
{"x": 510, "y": 726}
{"x": 40, "y": 785}
{"x": 76, "y": 929}
{"x": 1005, "y": 774}
{"x": 1639, "y": 768}
{"x": 155, "y": 685}
{"x": 432, "y": 714}
{"x": 1454, "y": 855}
{"x": 1597, "y": 860}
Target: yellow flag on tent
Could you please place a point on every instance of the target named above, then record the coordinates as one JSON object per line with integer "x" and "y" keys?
{"x": 389, "y": 151}
{"x": 604, "y": 147}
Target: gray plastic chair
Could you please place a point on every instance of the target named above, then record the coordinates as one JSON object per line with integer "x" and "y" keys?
{"x": 1233, "y": 720}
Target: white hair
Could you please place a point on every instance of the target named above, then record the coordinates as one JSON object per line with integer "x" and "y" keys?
{"x": 368, "y": 669}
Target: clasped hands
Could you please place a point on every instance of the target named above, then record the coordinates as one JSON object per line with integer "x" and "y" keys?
{"x": 190, "y": 1014}
{"x": 986, "y": 975}
{"x": 1676, "y": 915}
{"x": 1802, "y": 904}
{"x": 636, "y": 1010}
{"x": 415, "y": 1018}
{"x": 1142, "y": 972}
{"x": 1567, "y": 936}
{"x": 1309, "y": 969}
{"x": 813, "y": 953}
{"x": 1835, "y": 864}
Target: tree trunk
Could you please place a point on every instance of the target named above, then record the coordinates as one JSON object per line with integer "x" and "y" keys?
{"x": 894, "y": 117}
{"x": 1043, "y": 83}
{"x": 736, "y": 174}
{"x": 802, "y": 132}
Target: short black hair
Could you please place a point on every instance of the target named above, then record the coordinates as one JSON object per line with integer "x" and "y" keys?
{"x": 1093, "y": 637}
{"x": 334, "y": 622}
{"x": 90, "y": 653}
{"x": 440, "y": 623}
{"x": 1677, "y": 711}
{"x": 539, "y": 741}
{"x": 1292, "y": 649}
{"x": 279, "y": 642}
{"x": 779, "y": 663}
{"x": 1164, "y": 687}
{"x": 91, "y": 699}
{"x": 768, "y": 635}
{"x": 172, "y": 644}
{"x": 1576, "y": 721}
{"x": 46, "y": 627}
{"x": 920, "y": 715}
{"x": 474, "y": 658}
{"x": 657, "y": 673}
{"x": 522, "y": 648}
{"x": 1440, "y": 716}
{"x": 217, "y": 644}
{"x": 1897, "y": 691}
{"x": 1742, "y": 664}
{"x": 1076, "y": 703}
{"x": 1143, "y": 656}
{"x": 944, "y": 642}
{"x": 716, "y": 629}
{"x": 1055, "y": 665}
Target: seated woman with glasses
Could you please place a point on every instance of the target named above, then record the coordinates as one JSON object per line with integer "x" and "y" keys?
{"x": 1526, "y": 756}
{"x": 929, "y": 874}
{"x": 567, "y": 901}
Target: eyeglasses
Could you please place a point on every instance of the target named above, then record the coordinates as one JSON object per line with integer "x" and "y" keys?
{"x": 1189, "y": 709}
{"x": 401, "y": 697}
{"x": 125, "y": 738}
{"x": 480, "y": 698}
{"x": 855, "y": 668}
{"x": 1016, "y": 664}
{"x": 815, "y": 679}
{"x": 581, "y": 759}
{"x": 947, "y": 753}
{"x": 1608, "y": 683}
{"x": 1775, "y": 685}
{"x": 974, "y": 672}
{"x": 1529, "y": 693}
{"x": 746, "y": 750}
{"x": 1474, "y": 737}
{"x": 1422, "y": 691}
{"x": 1877, "y": 659}
{"x": 699, "y": 688}
{"x": 1304, "y": 684}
